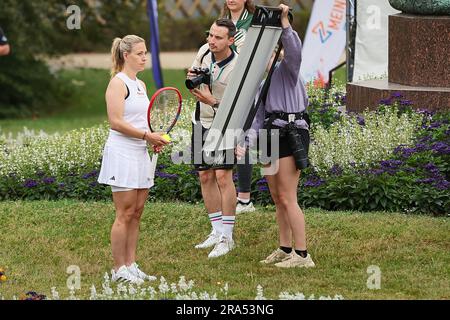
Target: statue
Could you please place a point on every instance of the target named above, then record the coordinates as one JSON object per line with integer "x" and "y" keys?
{"x": 423, "y": 7}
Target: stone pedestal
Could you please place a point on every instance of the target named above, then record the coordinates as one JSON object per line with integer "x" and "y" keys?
{"x": 419, "y": 50}
{"x": 419, "y": 65}
{"x": 368, "y": 94}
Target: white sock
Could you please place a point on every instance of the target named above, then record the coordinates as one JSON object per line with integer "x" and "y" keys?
{"x": 216, "y": 221}
{"x": 245, "y": 201}
{"x": 228, "y": 225}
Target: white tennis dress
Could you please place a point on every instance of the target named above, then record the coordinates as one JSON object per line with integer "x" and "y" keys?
{"x": 126, "y": 162}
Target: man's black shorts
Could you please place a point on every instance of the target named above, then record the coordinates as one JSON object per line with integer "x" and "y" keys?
{"x": 221, "y": 160}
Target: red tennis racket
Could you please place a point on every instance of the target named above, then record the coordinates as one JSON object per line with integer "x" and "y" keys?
{"x": 163, "y": 113}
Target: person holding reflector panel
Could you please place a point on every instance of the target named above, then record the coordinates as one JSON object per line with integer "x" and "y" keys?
{"x": 283, "y": 112}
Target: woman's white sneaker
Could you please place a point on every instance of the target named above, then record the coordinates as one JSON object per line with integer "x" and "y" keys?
{"x": 296, "y": 261}
{"x": 123, "y": 275}
{"x": 277, "y": 256}
{"x": 134, "y": 270}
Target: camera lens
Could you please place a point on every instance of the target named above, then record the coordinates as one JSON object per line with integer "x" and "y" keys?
{"x": 194, "y": 82}
{"x": 298, "y": 150}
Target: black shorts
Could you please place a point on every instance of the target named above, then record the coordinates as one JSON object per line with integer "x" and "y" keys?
{"x": 219, "y": 160}
{"x": 284, "y": 149}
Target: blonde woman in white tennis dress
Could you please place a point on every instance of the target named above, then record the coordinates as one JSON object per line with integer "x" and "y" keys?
{"x": 126, "y": 165}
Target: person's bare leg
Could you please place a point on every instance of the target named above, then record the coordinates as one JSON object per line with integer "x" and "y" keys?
{"x": 287, "y": 183}
{"x": 133, "y": 230}
{"x": 125, "y": 203}
{"x": 210, "y": 191}
{"x": 285, "y": 232}
{"x": 227, "y": 191}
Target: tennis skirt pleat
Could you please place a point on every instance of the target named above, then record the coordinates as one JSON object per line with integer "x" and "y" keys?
{"x": 127, "y": 167}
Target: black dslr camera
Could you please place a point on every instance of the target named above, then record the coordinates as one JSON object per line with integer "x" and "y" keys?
{"x": 203, "y": 76}
{"x": 295, "y": 141}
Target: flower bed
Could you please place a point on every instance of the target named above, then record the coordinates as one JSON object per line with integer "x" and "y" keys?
{"x": 394, "y": 159}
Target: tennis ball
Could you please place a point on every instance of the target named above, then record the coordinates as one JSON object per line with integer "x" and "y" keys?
{"x": 166, "y": 137}
{"x": 3, "y": 278}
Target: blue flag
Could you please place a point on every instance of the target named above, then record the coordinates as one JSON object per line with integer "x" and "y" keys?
{"x": 152, "y": 12}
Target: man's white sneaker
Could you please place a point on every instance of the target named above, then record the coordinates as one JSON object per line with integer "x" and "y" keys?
{"x": 212, "y": 240}
{"x": 244, "y": 207}
{"x": 134, "y": 270}
{"x": 123, "y": 275}
{"x": 223, "y": 247}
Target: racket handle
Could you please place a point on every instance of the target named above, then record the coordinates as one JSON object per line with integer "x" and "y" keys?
{"x": 153, "y": 165}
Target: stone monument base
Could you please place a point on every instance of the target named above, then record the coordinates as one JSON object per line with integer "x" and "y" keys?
{"x": 419, "y": 65}
{"x": 368, "y": 94}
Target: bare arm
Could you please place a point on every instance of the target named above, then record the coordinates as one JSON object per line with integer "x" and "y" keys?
{"x": 115, "y": 103}
{"x": 5, "y": 49}
{"x": 292, "y": 47}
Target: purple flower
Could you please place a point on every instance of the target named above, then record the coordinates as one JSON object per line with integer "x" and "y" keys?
{"x": 262, "y": 181}
{"x": 336, "y": 170}
{"x": 235, "y": 177}
{"x": 427, "y": 180}
{"x": 425, "y": 139}
{"x": 165, "y": 175}
{"x": 391, "y": 163}
{"x": 442, "y": 185}
{"x": 93, "y": 184}
{"x": 360, "y": 120}
{"x": 194, "y": 172}
{"x": 30, "y": 183}
{"x": 386, "y": 102}
{"x": 431, "y": 167}
{"x": 435, "y": 125}
{"x": 49, "y": 180}
{"x": 399, "y": 149}
{"x": 421, "y": 147}
{"x": 406, "y": 103}
{"x": 314, "y": 182}
{"x": 263, "y": 188}
{"x": 397, "y": 95}
{"x": 425, "y": 112}
{"x": 441, "y": 148}
{"x": 61, "y": 185}
{"x": 375, "y": 172}
{"x": 91, "y": 174}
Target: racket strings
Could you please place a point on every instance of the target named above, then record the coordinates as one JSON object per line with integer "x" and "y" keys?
{"x": 164, "y": 110}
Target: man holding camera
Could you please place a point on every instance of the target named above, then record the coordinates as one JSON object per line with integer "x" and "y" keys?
{"x": 207, "y": 80}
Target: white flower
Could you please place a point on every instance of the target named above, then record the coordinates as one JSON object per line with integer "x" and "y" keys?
{"x": 259, "y": 293}
{"x": 55, "y": 294}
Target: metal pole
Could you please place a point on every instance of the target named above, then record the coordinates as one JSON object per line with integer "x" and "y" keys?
{"x": 351, "y": 27}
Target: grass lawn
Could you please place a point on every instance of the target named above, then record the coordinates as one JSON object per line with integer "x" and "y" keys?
{"x": 87, "y": 107}
{"x": 39, "y": 240}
